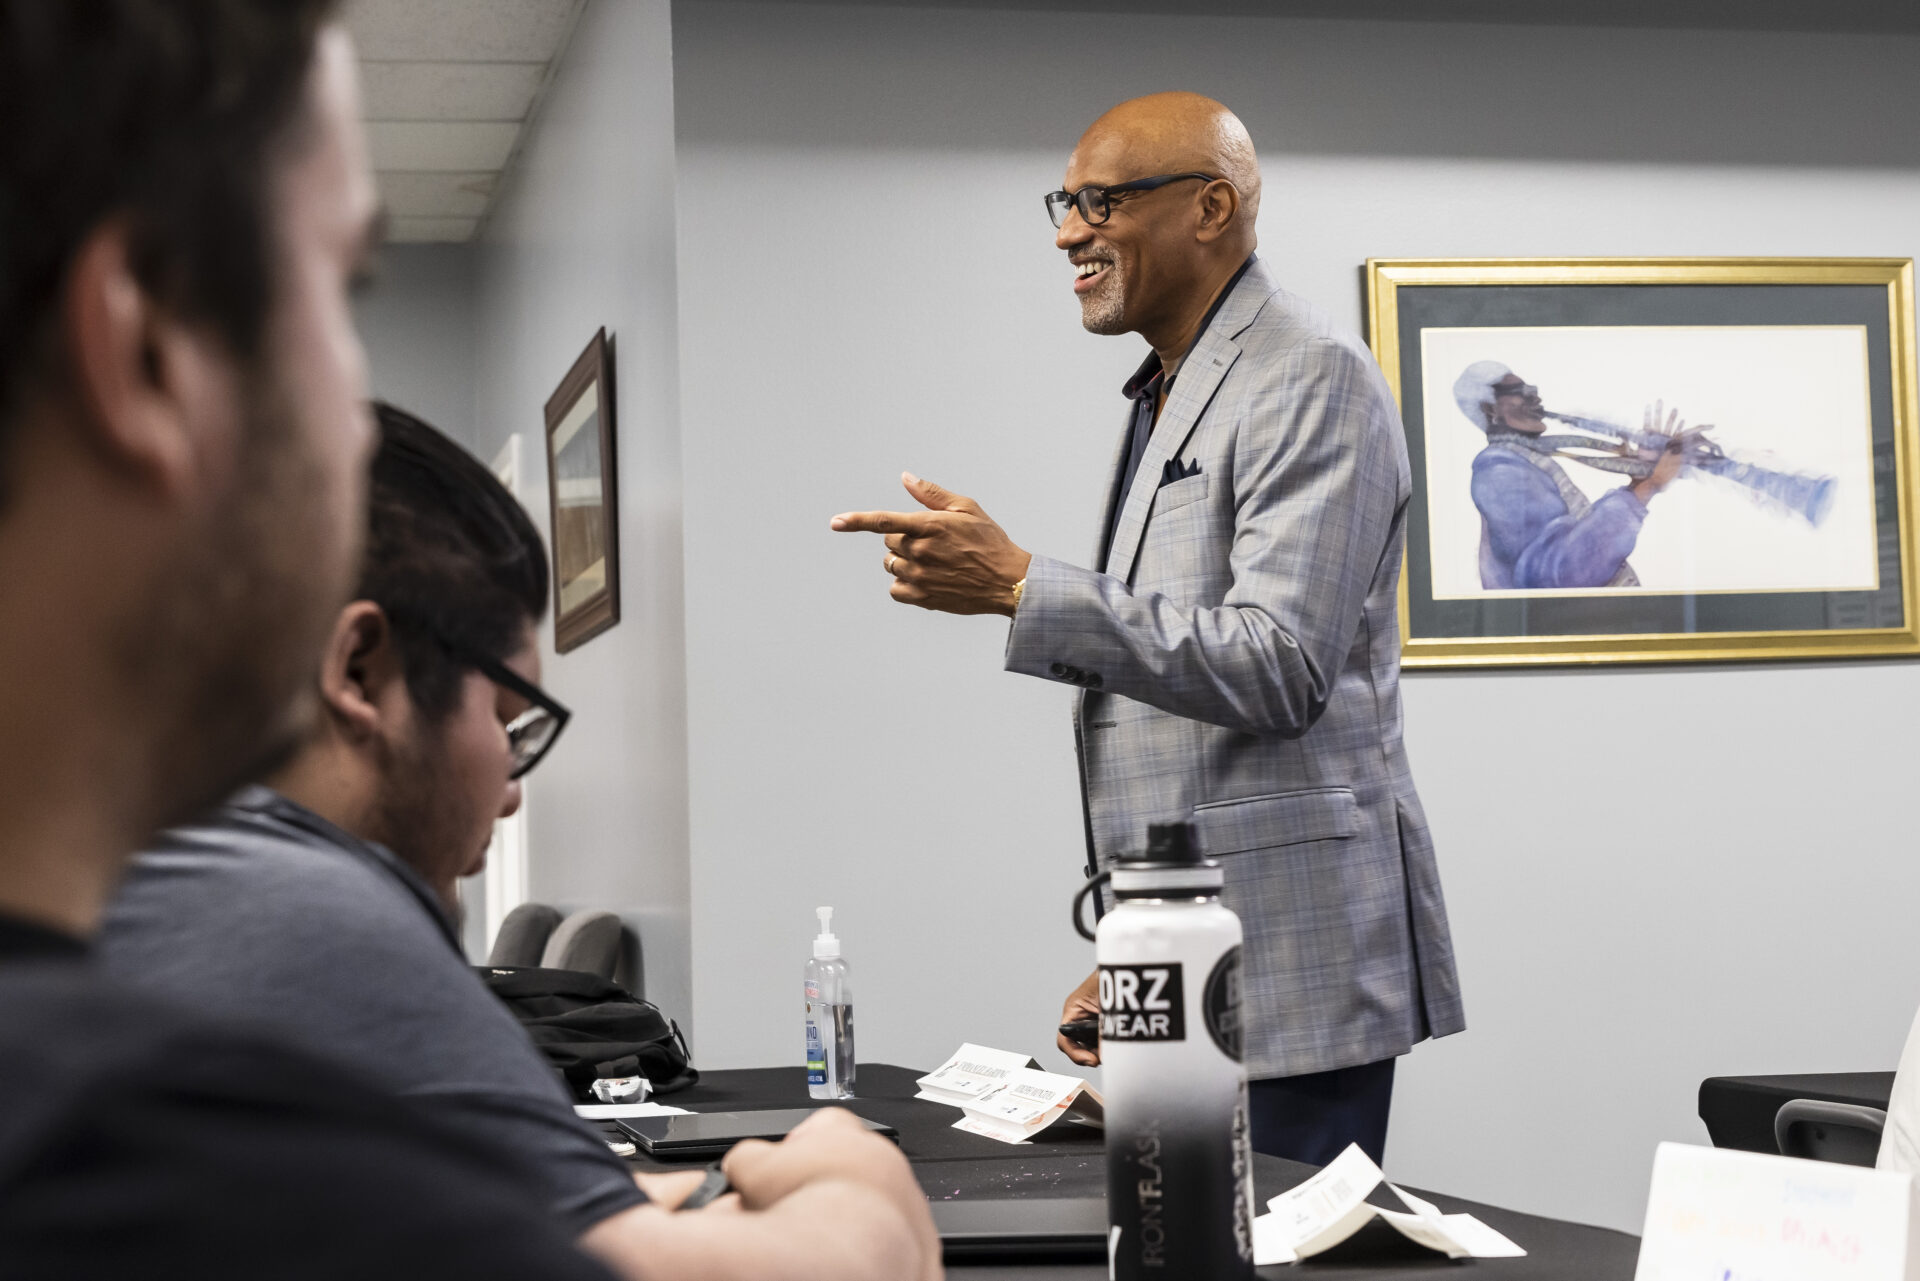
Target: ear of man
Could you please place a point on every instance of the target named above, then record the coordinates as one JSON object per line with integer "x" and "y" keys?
{"x": 156, "y": 395}
{"x": 1219, "y": 213}
{"x": 362, "y": 677}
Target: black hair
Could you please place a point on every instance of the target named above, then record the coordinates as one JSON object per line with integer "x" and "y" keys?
{"x": 165, "y": 113}
{"x": 452, "y": 558}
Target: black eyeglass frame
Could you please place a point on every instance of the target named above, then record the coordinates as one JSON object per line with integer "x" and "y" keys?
{"x": 1058, "y": 202}
{"x": 500, "y": 674}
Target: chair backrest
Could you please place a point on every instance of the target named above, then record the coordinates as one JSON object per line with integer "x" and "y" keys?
{"x": 586, "y": 941}
{"x": 523, "y": 936}
{"x": 1844, "y": 1133}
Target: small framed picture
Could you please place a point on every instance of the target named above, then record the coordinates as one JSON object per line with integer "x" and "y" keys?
{"x": 583, "y": 494}
{"x": 1653, "y": 460}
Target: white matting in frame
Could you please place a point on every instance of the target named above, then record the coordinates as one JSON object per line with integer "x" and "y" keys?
{"x": 1791, "y": 398}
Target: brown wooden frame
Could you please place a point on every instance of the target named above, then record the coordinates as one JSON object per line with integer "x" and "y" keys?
{"x": 587, "y": 619}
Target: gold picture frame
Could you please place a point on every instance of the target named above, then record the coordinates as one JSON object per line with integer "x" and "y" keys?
{"x": 1822, "y": 566}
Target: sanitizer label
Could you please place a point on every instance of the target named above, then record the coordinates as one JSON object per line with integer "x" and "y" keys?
{"x": 816, "y": 1055}
{"x": 1142, "y": 1003}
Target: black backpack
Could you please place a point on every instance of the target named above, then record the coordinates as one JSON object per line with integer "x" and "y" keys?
{"x": 590, "y": 1027}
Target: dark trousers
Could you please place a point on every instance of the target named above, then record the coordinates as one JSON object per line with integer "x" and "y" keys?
{"x": 1313, "y": 1118}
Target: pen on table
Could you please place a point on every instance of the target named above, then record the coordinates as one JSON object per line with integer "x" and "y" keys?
{"x": 711, "y": 1189}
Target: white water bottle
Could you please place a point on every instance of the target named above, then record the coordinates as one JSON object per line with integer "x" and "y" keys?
{"x": 829, "y": 1016}
{"x": 1179, "y": 1165}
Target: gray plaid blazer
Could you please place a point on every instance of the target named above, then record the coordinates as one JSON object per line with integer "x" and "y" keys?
{"x": 1239, "y": 661}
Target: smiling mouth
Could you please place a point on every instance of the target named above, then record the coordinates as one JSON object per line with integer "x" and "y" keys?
{"x": 1086, "y": 273}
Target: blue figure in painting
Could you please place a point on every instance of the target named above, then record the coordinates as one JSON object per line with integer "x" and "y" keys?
{"x": 1537, "y": 529}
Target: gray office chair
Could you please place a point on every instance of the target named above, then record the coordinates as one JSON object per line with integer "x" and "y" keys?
{"x": 1844, "y": 1133}
{"x": 586, "y": 941}
{"x": 523, "y": 936}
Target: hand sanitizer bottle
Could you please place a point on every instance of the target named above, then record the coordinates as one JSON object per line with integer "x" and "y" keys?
{"x": 829, "y": 1016}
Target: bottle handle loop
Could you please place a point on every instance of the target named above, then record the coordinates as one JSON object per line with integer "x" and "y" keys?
{"x": 1081, "y": 897}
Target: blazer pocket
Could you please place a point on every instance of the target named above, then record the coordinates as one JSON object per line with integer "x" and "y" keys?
{"x": 1281, "y": 818}
{"x": 1179, "y": 494}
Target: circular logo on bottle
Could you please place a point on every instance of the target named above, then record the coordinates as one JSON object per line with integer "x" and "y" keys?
{"x": 1222, "y": 1003}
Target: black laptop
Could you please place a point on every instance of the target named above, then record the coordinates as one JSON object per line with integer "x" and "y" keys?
{"x": 1059, "y": 1228}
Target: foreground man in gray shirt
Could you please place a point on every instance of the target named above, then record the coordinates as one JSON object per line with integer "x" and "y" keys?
{"x": 321, "y": 906}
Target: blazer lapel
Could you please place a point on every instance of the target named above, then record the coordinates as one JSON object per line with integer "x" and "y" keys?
{"x": 1193, "y": 388}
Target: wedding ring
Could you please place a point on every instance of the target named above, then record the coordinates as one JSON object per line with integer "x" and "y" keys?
{"x": 890, "y": 560}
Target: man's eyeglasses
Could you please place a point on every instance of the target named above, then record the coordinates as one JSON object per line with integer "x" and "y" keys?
{"x": 1515, "y": 389}
{"x": 531, "y": 734}
{"x": 1093, "y": 203}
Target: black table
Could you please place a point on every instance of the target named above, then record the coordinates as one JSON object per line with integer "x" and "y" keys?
{"x": 1067, "y": 1161}
{"x": 1739, "y": 1110}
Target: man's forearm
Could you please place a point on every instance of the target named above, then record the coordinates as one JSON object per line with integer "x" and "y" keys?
{"x": 835, "y": 1228}
{"x": 1229, "y": 666}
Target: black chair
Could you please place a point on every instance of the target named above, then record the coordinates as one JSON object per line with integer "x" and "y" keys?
{"x": 1844, "y": 1133}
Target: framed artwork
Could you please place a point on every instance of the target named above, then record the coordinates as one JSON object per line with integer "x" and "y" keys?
{"x": 1653, "y": 460}
{"x": 583, "y": 494}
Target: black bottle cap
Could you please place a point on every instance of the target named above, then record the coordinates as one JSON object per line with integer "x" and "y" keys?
{"x": 1168, "y": 845}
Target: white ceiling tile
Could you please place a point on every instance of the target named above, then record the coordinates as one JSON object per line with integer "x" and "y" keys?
{"x": 460, "y": 30}
{"x": 413, "y": 194}
{"x": 414, "y": 231}
{"x": 440, "y": 146}
{"x": 448, "y": 90}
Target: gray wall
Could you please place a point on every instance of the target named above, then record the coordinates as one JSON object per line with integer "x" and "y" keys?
{"x": 1655, "y": 875}
{"x": 583, "y": 236}
{"x": 417, "y": 323}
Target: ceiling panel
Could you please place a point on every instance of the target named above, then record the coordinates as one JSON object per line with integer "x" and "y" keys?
{"x": 440, "y": 146}
{"x": 449, "y": 90}
{"x": 417, "y": 231}
{"x": 460, "y": 30}
{"x": 412, "y": 194}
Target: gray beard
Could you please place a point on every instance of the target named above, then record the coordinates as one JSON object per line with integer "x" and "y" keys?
{"x": 1102, "y": 311}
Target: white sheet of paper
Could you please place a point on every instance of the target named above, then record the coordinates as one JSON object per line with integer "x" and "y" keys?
{"x": 969, "y": 1073}
{"x": 1482, "y": 1242}
{"x": 624, "y": 1111}
{"x": 1719, "y": 1212}
{"x": 1332, "y": 1205}
{"x": 1270, "y": 1243}
{"x": 1027, "y": 1102}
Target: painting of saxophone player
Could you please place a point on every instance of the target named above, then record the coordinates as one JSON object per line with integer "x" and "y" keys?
{"x": 1541, "y": 497}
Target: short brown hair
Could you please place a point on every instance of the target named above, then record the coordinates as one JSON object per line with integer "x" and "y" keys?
{"x": 164, "y": 112}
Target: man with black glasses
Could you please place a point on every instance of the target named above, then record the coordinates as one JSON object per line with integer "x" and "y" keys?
{"x": 320, "y": 904}
{"x": 1235, "y": 643}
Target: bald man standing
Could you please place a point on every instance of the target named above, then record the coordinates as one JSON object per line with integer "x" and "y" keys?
{"x": 1238, "y": 651}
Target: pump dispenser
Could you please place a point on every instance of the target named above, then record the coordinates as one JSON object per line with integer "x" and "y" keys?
{"x": 826, "y": 946}
{"x": 829, "y": 1016}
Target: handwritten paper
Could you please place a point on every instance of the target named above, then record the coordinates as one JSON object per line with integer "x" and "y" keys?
{"x": 1715, "y": 1214}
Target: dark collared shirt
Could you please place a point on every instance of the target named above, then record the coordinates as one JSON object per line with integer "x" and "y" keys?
{"x": 1144, "y": 389}
{"x": 267, "y": 912}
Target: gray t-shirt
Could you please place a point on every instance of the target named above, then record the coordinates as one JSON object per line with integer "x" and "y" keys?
{"x": 267, "y": 914}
